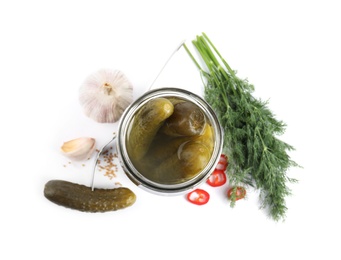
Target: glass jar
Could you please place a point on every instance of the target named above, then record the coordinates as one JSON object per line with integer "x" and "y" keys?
{"x": 130, "y": 167}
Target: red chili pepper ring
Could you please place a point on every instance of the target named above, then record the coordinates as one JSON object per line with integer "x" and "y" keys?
{"x": 217, "y": 178}
{"x": 198, "y": 197}
{"x": 240, "y": 192}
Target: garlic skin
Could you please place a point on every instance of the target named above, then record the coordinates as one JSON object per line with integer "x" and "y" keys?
{"x": 105, "y": 95}
{"x": 79, "y": 149}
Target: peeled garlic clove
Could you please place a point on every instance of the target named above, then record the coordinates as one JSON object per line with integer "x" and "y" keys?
{"x": 105, "y": 95}
{"x": 79, "y": 148}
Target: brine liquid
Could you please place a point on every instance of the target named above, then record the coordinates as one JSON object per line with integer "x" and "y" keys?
{"x": 177, "y": 148}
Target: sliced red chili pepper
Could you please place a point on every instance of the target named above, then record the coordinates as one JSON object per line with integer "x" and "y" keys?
{"x": 217, "y": 178}
{"x": 198, "y": 197}
{"x": 239, "y": 191}
{"x": 222, "y": 163}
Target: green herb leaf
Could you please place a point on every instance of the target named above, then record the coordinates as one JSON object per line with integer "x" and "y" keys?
{"x": 257, "y": 157}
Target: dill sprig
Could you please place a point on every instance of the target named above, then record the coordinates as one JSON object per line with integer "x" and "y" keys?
{"x": 257, "y": 157}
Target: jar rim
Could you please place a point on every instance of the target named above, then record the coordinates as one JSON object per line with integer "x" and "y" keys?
{"x": 123, "y": 129}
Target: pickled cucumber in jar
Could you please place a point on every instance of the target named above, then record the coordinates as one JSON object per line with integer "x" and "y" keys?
{"x": 177, "y": 144}
{"x": 190, "y": 159}
{"x": 187, "y": 120}
{"x": 146, "y": 124}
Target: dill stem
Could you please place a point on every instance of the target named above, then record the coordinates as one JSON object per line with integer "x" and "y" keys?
{"x": 211, "y": 57}
{"x": 192, "y": 57}
{"x": 208, "y": 63}
{"x": 213, "y": 66}
{"x": 219, "y": 55}
{"x": 265, "y": 148}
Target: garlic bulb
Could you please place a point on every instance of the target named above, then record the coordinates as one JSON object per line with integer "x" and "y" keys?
{"x": 105, "y": 95}
{"x": 79, "y": 149}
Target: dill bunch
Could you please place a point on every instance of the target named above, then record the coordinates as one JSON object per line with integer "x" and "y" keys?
{"x": 257, "y": 157}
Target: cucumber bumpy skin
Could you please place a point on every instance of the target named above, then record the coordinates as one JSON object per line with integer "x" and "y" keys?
{"x": 146, "y": 124}
{"x": 82, "y": 198}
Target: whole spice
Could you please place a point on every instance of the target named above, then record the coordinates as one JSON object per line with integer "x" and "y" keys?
{"x": 105, "y": 95}
{"x": 110, "y": 167}
{"x": 257, "y": 157}
{"x": 79, "y": 149}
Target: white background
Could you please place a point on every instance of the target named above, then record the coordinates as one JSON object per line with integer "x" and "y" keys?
{"x": 290, "y": 51}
